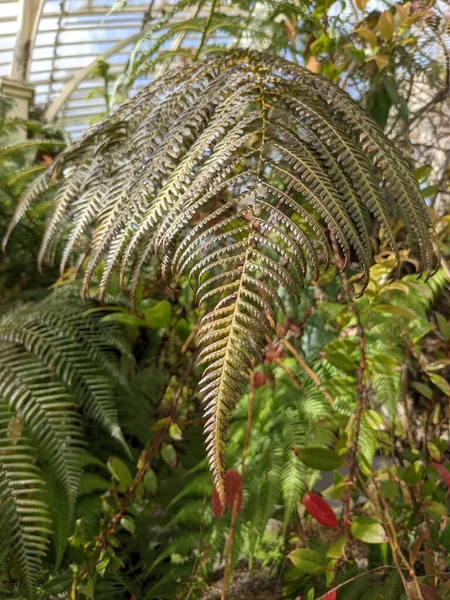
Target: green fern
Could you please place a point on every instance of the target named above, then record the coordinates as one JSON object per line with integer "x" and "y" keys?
{"x": 57, "y": 366}
{"x": 232, "y": 169}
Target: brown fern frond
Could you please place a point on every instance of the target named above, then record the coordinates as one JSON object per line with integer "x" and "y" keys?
{"x": 233, "y": 170}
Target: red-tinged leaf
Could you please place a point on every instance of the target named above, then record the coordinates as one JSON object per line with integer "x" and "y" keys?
{"x": 320, "y": 510}
{"x": 426, "y": 592}
{"x": 331, "y": 595}
{"x": 217, "y": 505}
{"x": 234, "y": 487}
{"x": 443, "y": 472}
{"x": 260, "y": 379}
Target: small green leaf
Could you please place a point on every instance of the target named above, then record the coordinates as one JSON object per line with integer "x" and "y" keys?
{"x": 319, "y": 458}
{"x": 87, "y": 589}
{"x": 341, "y": 360}
{"x": 427, "y": 488}
{"x": 159, "y": 316}
{"x": 429, "y": 191}
{"x": 160, "y": 424}
{"x": 422, "y": 173}
{"x": 336, "y": 550}
{"x": 437, "y": 510}
{"x": 367, "y": 530}
{"x": 444, "y": 326}
{"x": 169, "y": 455}
{"x": 311, "y": 594}
{"x": 434, "y": 451}
{"x": 391, "y": 309}
{"x": 307, "y": 561}
{"x": 128, "y": 523}
{"x": 175, "y": 432}
{"x": 124, "y": 319}
{"x": 444, "y": 538}
{"x": 378, "y": 105}
{"x": 423, "y": 389}
{"x": 392, "y": 90}
{"x": 440, "y": 382}
{"x": 183, "y": 329}
{"x": 413, "y": 474}
{"x": 389, "y": 489}
{"x": 380, "y": 363}
{"x": 150, "y": 482}
{"x": 119, "y": 470}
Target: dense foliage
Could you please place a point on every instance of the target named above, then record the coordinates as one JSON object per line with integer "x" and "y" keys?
{"x": 336, "y": 468}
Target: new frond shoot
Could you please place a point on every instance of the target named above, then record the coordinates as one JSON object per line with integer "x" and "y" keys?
{"x": 235, "y": 170}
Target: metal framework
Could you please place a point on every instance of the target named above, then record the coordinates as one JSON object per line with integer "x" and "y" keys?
{"x": 55, "y": 45}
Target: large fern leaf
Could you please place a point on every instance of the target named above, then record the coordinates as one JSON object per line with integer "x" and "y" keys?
{"x": 232, "y": 169}
{"x": 57, "y": 367}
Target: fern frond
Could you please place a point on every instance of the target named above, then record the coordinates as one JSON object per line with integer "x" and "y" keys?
{"x": 24, "y": 515}
{"x": 57, "y": 368}
{"x": 232, "y": 169}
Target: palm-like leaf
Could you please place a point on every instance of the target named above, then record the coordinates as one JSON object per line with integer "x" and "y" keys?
{"x": 232, "y": 169}
{"x": 54, "y": 361}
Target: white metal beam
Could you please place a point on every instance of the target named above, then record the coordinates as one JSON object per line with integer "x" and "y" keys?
{"x": 72, "y": 85}
{"x": 29, "y": 12}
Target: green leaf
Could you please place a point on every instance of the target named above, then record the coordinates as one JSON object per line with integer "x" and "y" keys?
{"x": 381, "y": 363}
{"x": 444, "y": 538}
{"x": 440, "y": 382}
{"x": 379, "y": 105}
{"x": 428, "y": 191}
{"x": 434, "y": 451}
{"x": 169, "y": 455}
{"x": 389, "y": 489}
{"x": 307, "y": 561}
{"x": 336, "y": 550}
{"x": 183, "y": 329}
{"x": 413, "y": 474}
{"x": 128, "y": 523}
{"x": 423, "y": 389}
{"x": 124, "y": 319}
{"x": 175, "y": 432}
{"x": 87, "y": 589}
{"x": 392, "y": 90}
{"x": 367, "y": 530}
{"x": 422, "y": 173}
{"x": 319, "y": 458}
{"x": 150, "y": 482}
{"x": 341, "y": 360}
{"x": 398, "y": 311}
{"x": 159, "y": 316}
{"x": 444, "y": 326}
{"x": 436, "y": 510}
{"x": 119, "y": 470}
{"x": 427, "y": 488}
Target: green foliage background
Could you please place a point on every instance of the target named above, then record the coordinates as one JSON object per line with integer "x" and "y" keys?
{"x": 143, "y": 526}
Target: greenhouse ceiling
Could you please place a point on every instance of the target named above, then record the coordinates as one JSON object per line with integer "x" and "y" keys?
{"x": 55, "y": 45}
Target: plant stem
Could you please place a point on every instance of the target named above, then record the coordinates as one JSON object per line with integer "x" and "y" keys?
{"x": 308, "y": 370}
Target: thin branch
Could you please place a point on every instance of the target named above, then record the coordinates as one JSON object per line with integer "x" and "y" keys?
{"x": 361, "y": 386}
{"x": 148, "y": 456}
{"x": 313, "y": 376}
{"x": 341, "y": 585}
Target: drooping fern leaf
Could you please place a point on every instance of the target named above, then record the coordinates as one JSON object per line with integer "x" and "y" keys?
{"x": 232, "y": 169}
{"x": 57, "y": 366}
